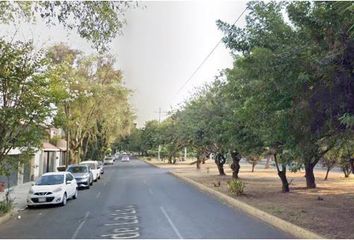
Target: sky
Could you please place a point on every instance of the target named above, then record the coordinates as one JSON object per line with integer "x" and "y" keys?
{"x": 163, "y": 43}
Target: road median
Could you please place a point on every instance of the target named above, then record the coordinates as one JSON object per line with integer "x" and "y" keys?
{"x": 277, "y": 222}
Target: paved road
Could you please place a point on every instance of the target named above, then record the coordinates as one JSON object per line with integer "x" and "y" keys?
{"x": 136, "y": 200}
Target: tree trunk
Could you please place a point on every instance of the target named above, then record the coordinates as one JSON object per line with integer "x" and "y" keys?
{"x": 310, "y": 176}
{"x": 220, "y": 161}
{"x": 346, "y": 171}
{"x": 198, "y": 162}
{"x": 235, "y": 165}
{"x": 327, "y": 172}
{"x": 170, "y": 159}
{"x": 284, "y": 181}
{"x": 253, "y": 166}
{"x": 267, "y": 163}
{"x": 351, "y": 161}
{"x": 282, "y": 175}
{"x": 221, "y": 169}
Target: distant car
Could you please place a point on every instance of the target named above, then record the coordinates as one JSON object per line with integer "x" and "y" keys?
{"x": 108, "y": 161}
{"x": 82, "y": 175}
{"x": 125, "y": 158}
{"x": 101, "y": 166}
{"x": 94, "y": 169}
{"x": 52, "y": 188}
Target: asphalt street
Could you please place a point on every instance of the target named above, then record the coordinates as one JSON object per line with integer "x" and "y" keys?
{"x": 136, "y": 200}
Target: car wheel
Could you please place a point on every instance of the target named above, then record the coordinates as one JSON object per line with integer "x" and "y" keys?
{"x": 99, "y": 177}
{"x": 95, "y": 180}
{"x": 75, "y": 194}
{"x": 88, "y": 186}
{"x": 63, "y": 203}
{"x": 91, "y": 183}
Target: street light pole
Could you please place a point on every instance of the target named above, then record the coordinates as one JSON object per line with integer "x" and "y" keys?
{"x": 66, "y": 106}
{"x": 159, "y": 149}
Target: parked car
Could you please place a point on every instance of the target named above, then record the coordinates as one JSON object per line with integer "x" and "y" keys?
{"x": 108, "y": 161}
{"x": 125, "y": 158}
{"x": 101, "y": 166}
{"x": 94, "y": 169}
{"x": 52, "y": 188}
{"x": 82, "y": 175}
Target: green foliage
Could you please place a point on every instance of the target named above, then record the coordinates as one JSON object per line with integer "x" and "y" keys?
{"x": 97, "y": 22}
{"x": 291, "y": 84}
{"x": 92, "y": 102}
{"x": 5, "y": 206}
{"x": 236, "y": 186}
{"x": 25, "y": 100}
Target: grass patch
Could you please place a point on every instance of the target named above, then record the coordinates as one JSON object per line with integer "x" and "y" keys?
{"x": 236, "y": 186}
{"x": 5, "y": 207}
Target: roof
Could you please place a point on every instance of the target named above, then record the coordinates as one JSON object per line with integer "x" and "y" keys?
{"x": 50, "y": 147}
{"x": 89, "y": 161}
{"x": 54, "y": 173}
{"x": 62, "y": 145}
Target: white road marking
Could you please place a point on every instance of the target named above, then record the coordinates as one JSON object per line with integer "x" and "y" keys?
{"x": 98, "y": 194}
{"x": 171, "y": 223}
{"x": 80, "y": 226}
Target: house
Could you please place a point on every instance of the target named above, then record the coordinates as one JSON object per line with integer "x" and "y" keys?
{"x": 45, "y": 159}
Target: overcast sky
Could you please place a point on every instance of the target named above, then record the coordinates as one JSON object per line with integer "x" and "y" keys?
{"x": 162, "y": 45}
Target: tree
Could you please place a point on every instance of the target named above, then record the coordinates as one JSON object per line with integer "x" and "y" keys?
{"x": 25, "y": 101}
{"x": 97, "y": 22}
{"x": 235, "y": 165}
{"x": 92, "y": 103}
{"x": 296, "y": 76}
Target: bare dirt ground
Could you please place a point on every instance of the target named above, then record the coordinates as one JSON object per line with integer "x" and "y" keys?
{"x": 327, "y": 210}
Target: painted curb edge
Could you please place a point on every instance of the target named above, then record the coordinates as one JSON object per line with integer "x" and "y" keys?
{"x": 281, "y": 224}
{"x": 277, "y": 222}
{"x": 6, "y": 216}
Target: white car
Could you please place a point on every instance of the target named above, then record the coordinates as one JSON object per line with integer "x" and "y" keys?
{"x": 108, "y": 161}
{"x": 96, "y": 172}
{"x": 52, "y": 188}
{"x": 125, "y": 158}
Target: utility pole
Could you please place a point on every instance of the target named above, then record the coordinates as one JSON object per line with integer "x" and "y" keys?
{"x": 159, "y": 149}
{"x": 67, "y": 157}
{"x": 185, "y": 153}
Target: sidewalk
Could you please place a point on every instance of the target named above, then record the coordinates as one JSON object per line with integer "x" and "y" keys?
{"x": 18, "y": 194}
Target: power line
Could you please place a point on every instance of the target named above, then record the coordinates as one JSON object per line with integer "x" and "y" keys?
{"x": 207, "y": 56}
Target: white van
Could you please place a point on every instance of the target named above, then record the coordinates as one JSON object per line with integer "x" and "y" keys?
{"x": 96, "y": 172}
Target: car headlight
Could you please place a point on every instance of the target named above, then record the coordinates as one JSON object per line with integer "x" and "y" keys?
{"x": 30, "y": 191}
{"x": 59, "y": 189}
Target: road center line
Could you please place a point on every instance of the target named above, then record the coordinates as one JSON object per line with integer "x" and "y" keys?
{"x": 98, "y": 194}
{"x": 80, "y": 226}
{"x": 171, "y": 223}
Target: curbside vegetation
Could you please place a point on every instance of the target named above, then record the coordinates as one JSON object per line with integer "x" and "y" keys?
{"x": 279, "y": 223}
{"x": 5, "y": 217}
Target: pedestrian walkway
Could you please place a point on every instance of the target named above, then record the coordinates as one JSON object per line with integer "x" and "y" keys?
{"x": 18, "y": 195}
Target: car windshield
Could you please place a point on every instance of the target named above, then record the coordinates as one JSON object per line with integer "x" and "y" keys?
{"x": 92, "y": 165}
{"x": 77, "y": 169}
{"x": 50, "y": 180}
{"x": 108, "y": 158}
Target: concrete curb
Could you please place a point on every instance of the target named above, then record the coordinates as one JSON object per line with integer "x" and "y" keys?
{"x": 152, "y": 164}
{"x": 281, "y": 224}
{"x": 7, "y": 216}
